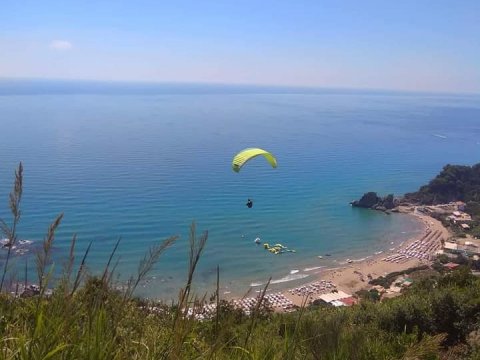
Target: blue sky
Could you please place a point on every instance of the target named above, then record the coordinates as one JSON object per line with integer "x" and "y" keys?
{"x": 407, "y": 45}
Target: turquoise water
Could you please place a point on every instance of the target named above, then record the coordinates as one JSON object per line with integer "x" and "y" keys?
{"x": 143, "y": 162}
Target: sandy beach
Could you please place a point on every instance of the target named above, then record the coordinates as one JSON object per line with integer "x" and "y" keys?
{"x": 355, "y": 276}
{"x": 343, "y": 282}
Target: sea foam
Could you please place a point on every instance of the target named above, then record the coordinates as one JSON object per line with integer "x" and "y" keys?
{"x": 313, "y": 268}
{"x": 290, "y": 277}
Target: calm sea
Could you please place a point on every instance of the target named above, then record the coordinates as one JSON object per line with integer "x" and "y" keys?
{"x": 141, "y": 162}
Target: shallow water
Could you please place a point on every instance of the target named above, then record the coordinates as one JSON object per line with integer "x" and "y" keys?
{"x": 144, "y": 164}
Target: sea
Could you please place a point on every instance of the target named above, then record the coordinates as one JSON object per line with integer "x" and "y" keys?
{"x": 142, "y": 162}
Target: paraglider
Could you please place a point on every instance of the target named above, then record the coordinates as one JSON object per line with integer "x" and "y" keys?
{"x": 247, "y": 154}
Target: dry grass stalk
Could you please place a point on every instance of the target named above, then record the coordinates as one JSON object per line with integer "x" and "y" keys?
{"x": 43, "y": 257}
{"x": 147, "y": 263}
{"x": 256, "y": 312}
{"x": 105, "y": 275}
{"x": 81, "y": 269}
{"x": 11, "y": 232}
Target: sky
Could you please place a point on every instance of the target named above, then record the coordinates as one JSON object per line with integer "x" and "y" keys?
{"x": 421, "y": 45}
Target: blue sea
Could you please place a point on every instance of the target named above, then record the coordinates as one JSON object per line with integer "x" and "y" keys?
{"x": 144, "y": 161}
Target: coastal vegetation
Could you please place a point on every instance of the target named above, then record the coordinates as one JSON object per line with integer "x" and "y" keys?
{"x": 436, "y": 318}
{"x": 454, "y": 183}
{"x": 387, "y": 280}
{"x": 89, "y": 317}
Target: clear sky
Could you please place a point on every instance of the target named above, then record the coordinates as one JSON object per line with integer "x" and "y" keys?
{"x": 404, "y": 44}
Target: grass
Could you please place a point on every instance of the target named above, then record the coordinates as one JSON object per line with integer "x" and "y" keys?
{"x": 87, "y": 318}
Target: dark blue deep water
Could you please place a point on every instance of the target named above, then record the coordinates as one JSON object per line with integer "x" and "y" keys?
{"x": 141, "y": 162}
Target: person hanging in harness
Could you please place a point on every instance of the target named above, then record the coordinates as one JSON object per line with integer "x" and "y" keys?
{"x": 249, "y": 203}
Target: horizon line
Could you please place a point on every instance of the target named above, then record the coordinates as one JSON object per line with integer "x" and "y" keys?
{"x": 298, "y": 88}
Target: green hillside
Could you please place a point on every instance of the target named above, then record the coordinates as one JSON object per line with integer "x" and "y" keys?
{"x": 454, "y": 183}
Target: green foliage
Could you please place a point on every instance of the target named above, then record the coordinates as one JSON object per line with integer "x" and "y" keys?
{"x": 438, "y": 266}
{"x": 475, "y": 232}
{"x": 473, "y": 207}
{"x": 454, "y": 182}
{"x": 369, "y": 295}
{"x": 443, "y": 258}
{"x": 96, "y": 323}
{"x": 386, "y": 281}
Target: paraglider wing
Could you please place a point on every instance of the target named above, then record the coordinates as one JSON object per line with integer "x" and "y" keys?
{"x": 245, "y": 155}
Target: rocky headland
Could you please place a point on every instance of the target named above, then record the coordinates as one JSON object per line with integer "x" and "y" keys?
{"x": 371, "y": 200}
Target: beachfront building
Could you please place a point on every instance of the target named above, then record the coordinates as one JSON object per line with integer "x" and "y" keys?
{"x": 460, "y": 218}
{"x": 450, "y": 247}
{"x": 468, "y": 248}
{"x": 465, "y": 226}
{"x": 337, "y": 299}
{"x": 337, "y": 303}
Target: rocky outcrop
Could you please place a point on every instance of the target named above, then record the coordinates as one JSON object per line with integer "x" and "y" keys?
{"x": 371, "y": 200}
{"x": 389, "y": 202}
{"x": 368, "y": 200}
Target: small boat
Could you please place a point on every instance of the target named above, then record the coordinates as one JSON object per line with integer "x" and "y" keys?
{"x": 349, "y": 261}
{"x": 257, "y": 240}
{"x": 320, "y": 256}
{"x": 328, "y": 255}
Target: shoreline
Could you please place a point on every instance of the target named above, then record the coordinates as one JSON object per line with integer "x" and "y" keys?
{"x": 308, "y": 270}
{"x": 353, "y": 277}
{"x": 338, "y": 286}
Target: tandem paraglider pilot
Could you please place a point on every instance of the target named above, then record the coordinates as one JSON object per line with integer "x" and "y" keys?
{"x": 246, "y": 155}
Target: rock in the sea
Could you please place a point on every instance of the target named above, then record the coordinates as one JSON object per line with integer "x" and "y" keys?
{"x": 368, "y": 200}
{"x": 371, "y": 200}
{"x": 388, "y": 201}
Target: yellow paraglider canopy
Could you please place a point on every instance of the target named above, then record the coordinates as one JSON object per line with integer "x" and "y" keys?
{"x": 245, "y": 155}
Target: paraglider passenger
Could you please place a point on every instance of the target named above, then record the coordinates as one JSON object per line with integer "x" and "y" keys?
{"x": 249, "y": 203}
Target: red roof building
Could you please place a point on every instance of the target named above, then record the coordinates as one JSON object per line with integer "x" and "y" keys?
{"x": 450, "y": 266}
{"x": 349, "y": 301}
